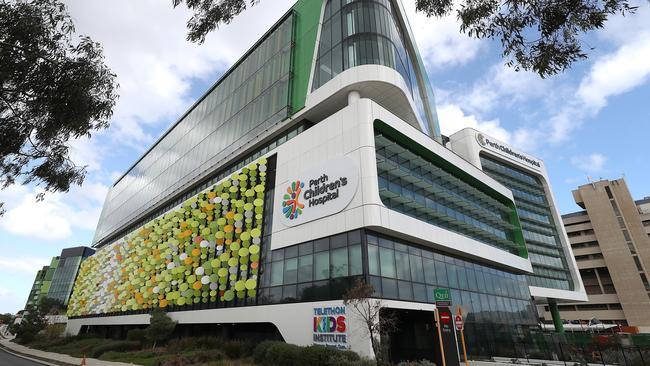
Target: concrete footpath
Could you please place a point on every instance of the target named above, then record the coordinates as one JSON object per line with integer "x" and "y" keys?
{"x": 51, "y": 358}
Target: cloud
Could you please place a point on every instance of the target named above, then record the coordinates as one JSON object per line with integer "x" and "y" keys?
{"x": 453, "y": 119}
{"x": 610, "y": 75}
{"x": 56, "y": 216}
{"x": 29, "y": 265}
{"x": 145, "y": 45}
{"x": 439, "y": 39}
{"x": 503, "y": 87}
{"x": 592, "y": 163}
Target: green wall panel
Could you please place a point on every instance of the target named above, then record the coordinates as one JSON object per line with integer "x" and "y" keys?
{"x": 207, "y": 250}
{"x": 306, "y": 25}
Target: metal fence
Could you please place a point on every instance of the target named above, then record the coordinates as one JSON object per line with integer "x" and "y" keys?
{"x": 569, "y": 353}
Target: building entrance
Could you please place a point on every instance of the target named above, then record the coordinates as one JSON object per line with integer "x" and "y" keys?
{"x": 414, "y": 339}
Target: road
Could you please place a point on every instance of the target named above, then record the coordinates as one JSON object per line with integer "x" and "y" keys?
{"x": 7, "y": 359}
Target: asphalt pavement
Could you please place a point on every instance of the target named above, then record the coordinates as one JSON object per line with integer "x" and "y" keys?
{"x": 7, "y": 359}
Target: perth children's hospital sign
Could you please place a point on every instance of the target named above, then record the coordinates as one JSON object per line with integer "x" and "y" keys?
{"x": 321, "y": 191}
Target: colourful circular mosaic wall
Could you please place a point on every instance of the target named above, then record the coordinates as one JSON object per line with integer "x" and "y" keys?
{"x": 208, "y": 250}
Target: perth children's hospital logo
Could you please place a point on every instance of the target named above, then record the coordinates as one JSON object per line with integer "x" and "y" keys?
{"x": 291, "y": 206}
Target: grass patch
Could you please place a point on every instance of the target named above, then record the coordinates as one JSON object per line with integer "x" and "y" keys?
{"x": 144, "y": 358}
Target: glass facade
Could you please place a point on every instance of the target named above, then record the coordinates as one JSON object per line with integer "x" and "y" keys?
{"x": 497, "y": 303}
{"x": 539, "y": 228}
{"x": 35, "y": 293}
{"x": 317, "y": 270}
{"x": 428, "y": 190}
{"x": 365, "y": 32}
{"x": 262, "y": 150}
{"x": 253, "y": 96}
{"x": 63, "y": 279}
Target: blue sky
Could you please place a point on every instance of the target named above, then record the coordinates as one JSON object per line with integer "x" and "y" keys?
{"x": 593, "y": 120}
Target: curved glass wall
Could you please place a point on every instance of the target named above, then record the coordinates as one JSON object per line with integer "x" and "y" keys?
{"x": 364, "y": 32}
{"x": 548, "y": 258}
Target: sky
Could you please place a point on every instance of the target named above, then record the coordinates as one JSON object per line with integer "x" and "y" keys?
{"x": 591, "y": 121}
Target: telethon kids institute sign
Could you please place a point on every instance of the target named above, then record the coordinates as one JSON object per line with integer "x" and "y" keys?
{"x": 317, "y": 192}
{"x": 330, "y": 327}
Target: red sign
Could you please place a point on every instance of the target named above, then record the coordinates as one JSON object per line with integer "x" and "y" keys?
{"x": 459, "y": 322}
{"x": 445, "y": 318}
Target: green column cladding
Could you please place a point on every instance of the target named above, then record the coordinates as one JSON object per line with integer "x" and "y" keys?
{"x": 555, "y": 313}
{"x": 306, "y": 23}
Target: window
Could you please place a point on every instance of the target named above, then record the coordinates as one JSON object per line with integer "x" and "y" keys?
{"x": 248, "y": 99}
{"x": 321, "y": 266}
{"x": 426, "y": 188}
{"x": 606, "y": 280}
{"x": 364, "y": 32}
{"x": 542, "y": 239}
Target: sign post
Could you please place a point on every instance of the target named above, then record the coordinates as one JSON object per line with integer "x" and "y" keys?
{"x": 444, "y": 322}
{"x": 460, "y": 326}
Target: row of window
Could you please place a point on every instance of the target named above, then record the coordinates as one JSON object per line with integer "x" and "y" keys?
{"x": 415, "y": 186}
{"x": 630, "y": 243}
{"x": 393, "y": 259}
{"x": 325, "y": 268}
{"x": 247, "y": 100}
{"x": 220, "y": 175}
{"x": 545, "y": 248}
{"x": 597, "y": 281}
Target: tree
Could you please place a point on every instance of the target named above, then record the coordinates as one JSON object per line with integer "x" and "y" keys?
{"x": 32, "y": 323}
{"x": 369, "y": 311}
{"x": 538, "y": 35}
{"x": 54, "y": 88}
{"x": 7, "y": 318}
{"x": 160, "y": 327}
{"x": 50, "y": 306}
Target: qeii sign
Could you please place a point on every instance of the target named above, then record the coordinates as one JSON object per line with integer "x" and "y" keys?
{"x": 442, "y": 297}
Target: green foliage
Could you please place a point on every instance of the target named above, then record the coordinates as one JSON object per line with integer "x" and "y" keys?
{"x": 49, "y": 306}
{"x": 33, "y": 322}
{"x": 272, "y": 353}
{"x": 54, "y": 331}
{"x": 137, "y": 335}
{"x": 193, "y": 343}
{"x": 116, "y": 346}
{"x": 144, "y": 358}
{"x": 160, "y": 327}
{"x": 542, "y": 36}
{"x": 54, "y": 88}
{"x": 236, "y": 348}
{"x": 6, "y": 318}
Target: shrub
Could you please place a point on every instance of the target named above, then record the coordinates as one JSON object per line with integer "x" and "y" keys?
{"x": 259, "y": 354}
{"x": 118, "y": 346}
{"x": 180, "y": 345}
{"x": 283, "y": 354}
{"x": 236, "y": 348}
{"x": 270, "y": 353}
{"x": 137, "y": 335}
{"x": 53, "y": 331}
{"x": 203, "y": 356}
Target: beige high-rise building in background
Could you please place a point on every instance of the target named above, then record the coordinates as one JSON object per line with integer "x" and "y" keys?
{"x": 611, "y": 244}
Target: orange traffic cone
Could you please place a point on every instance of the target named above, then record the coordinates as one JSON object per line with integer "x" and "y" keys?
{"x": 83, "y": 361}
